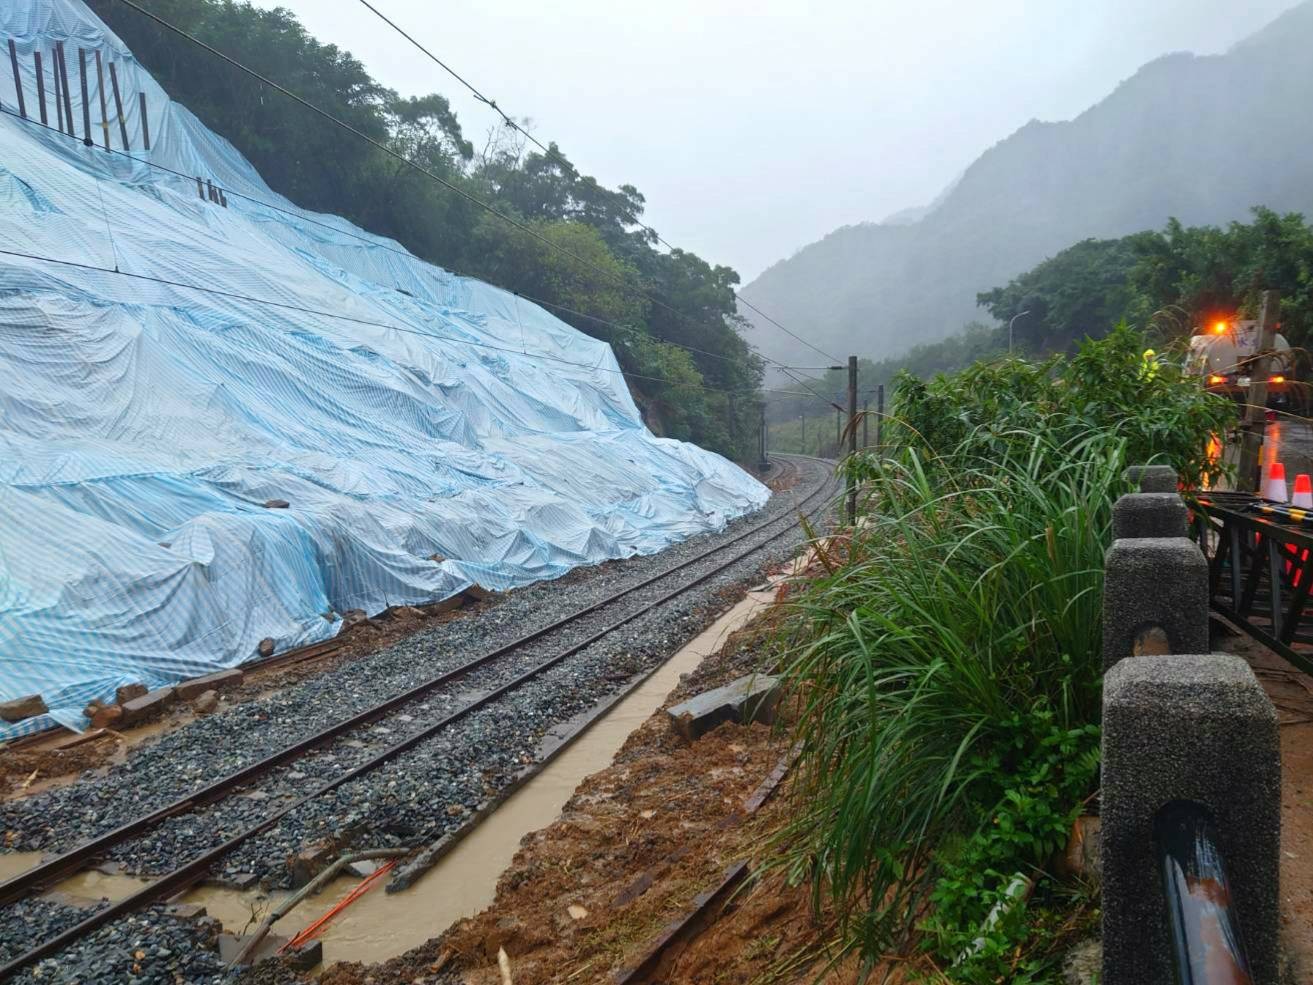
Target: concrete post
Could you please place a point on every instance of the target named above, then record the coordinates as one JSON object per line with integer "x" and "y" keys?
{"x": 1149, "y": 515}
{"x": 1153, "y": 478}
{"x": 1155, "y": 588}
{"x": 1195, "y": 728}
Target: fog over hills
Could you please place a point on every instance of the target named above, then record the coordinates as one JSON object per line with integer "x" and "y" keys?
{"x": 1201, "y": 138}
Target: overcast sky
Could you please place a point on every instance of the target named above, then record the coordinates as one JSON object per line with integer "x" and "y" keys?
{"x": 756, "y": 128}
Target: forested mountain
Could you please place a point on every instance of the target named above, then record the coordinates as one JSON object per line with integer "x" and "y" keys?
{"x": 1201, "y": 139}
{"x": 608, "y": 278}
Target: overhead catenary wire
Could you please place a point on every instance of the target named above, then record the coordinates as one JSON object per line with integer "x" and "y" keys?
{"x": 374, "y": 241}
{"x": 552, "y": 152}
{"x": 249, "y": 299}
{"x": 473, "y": 199}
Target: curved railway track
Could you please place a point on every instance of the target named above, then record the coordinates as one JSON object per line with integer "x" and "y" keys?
{"x": 67, "y": 863}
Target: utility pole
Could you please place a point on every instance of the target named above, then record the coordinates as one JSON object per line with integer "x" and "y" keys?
{"x": 1251, "y": 435}
{"x": 879, "y": 421}
{"x": 852, "y": 440}
{"x": 838, "y": 430}
{"x": 763, "y": 464}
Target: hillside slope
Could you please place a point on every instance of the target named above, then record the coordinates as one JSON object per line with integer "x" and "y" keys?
{"x": 1200, "y": 138}
{"x": 230, "y": 421}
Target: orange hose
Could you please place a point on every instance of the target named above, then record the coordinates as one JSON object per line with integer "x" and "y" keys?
{"x": 312, "y": 931}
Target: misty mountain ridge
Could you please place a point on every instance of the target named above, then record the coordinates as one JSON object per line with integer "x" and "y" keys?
{"x": 1202, "y": 138}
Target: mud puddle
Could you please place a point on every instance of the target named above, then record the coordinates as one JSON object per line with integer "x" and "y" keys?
{"x": 380, "y": 925}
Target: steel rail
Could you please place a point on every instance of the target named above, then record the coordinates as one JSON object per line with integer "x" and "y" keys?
{"x": 76, "y": 858}
{"x": 196, "y": 868}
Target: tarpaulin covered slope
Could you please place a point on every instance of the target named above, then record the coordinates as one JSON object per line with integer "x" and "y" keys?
{"x": 146, "y": 424}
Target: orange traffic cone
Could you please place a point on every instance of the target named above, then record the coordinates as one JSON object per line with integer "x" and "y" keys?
{"x": 1274, "y": 489}
{"x": 1303, "y": 497}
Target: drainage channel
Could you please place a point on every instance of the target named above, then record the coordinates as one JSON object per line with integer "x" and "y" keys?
{"x": 383, "y": 925}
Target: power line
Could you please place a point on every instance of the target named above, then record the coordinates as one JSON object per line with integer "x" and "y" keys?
{"x": 374, "y": 241}
{"x": 570, "y": 168}
{"x": 249, "y": 299}
{"x": 474, "y": 199}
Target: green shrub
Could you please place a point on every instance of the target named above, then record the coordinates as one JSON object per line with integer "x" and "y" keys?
{"x": 947, "y": 668}
{"x": 1160, "y": 411}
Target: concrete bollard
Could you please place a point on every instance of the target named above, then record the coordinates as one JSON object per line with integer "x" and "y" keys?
{"x": 1154, "y": 586}
{"x": 1195, "y": 728}
{"x": 1153, "y": 478}
{"x": 1149, "y": 515}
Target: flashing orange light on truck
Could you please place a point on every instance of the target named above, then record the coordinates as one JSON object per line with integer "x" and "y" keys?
{"x": 1220, "y": 328}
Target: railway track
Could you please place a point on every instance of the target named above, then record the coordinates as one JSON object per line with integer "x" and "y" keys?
{"x": 50, "y": 872}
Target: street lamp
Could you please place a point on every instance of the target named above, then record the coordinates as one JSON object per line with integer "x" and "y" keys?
{"x": 1019, "y": 314}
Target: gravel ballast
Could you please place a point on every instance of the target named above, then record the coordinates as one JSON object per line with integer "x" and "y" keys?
{"x": 432, "y": 788}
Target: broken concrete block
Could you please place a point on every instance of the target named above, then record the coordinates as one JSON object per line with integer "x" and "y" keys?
{"x": 306, "y": 956}
{"x": 20, "y": 708}
{"x": 107, "y": 716}
{"x": 364, "y": 867}
{"x": 206, "y": 703}
{"x": 748, "y": 699}
{"x": 266, "y": 647}
{"x": 151, "y": 703}
{"x": 308, "y": 863}
{"x": 210, "y": 682}
{"x": 129, "y": 691}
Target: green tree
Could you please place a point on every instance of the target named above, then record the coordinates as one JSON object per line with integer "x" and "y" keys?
{"x": 658, "y": 299}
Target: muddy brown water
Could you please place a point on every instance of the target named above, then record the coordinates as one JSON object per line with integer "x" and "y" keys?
{"x": 379, "y": 925}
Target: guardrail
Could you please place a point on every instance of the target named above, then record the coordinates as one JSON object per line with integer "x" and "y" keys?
{"x": 1191, "y": 769}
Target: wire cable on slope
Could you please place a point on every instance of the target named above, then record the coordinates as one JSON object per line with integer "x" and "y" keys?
{"x": 473, "y": 199}
{"x": 374, "y": 241}
{"x": 571, "y": 170}
{"x": 246, "y": 298}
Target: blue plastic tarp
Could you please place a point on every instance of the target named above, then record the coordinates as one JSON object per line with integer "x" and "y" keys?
{"x": 428, "y": 431}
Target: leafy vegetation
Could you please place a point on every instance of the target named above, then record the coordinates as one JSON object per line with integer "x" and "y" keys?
{"x": 947, "y": 667}
{"x": 657, "y": 298}
{"x": 1167, "y": 283}
{"x": 1171, "y": 281}
{"x": 1204, "y": 138}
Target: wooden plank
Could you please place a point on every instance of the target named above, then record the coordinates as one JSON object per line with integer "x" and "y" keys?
{"x": 86, "y": 100}
{"x": 100, "y": 91}
{"x": 18, "y": 79}
{"x": 118, "y": 106}
{"x": 40, "y": 88}
{"x": 685, "y": 926}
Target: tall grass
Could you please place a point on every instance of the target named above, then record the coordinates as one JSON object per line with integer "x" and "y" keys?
{"x": 966, "y": 608}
